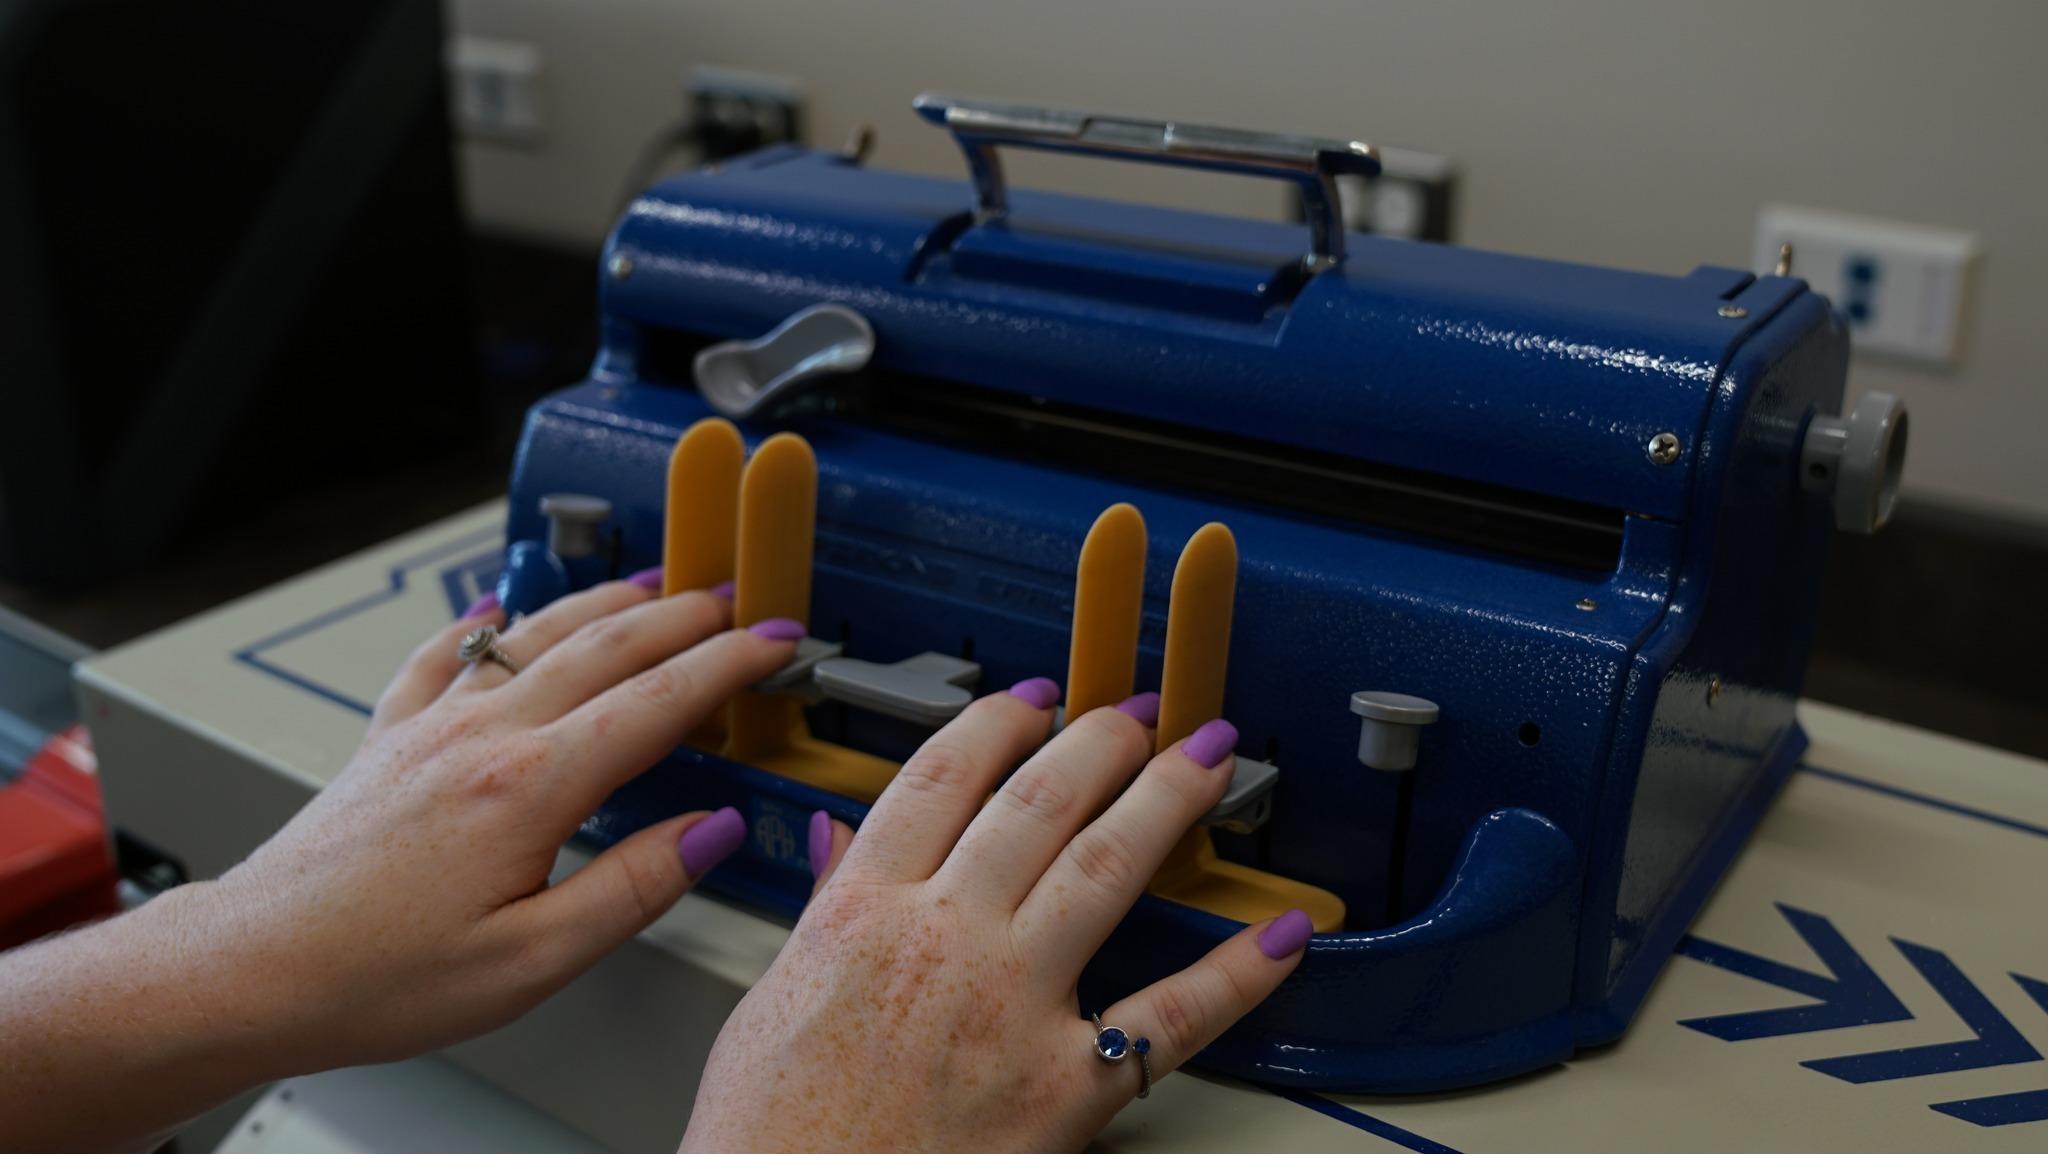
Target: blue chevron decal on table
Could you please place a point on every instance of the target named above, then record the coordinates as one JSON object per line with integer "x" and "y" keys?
{"x": 1850, "y": 995}
{"x": 2000, "y": 1110}
{"x": 2006, "y": 1109}
{"x": 1997, "y": 1041}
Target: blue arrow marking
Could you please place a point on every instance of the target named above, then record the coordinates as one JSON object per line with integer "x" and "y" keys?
{"x": 2003, "y": 1110}
{"x": 1997, "y": 1042}
{"x": 1851, "y": 994}
{"x": 2006, "y": 1109}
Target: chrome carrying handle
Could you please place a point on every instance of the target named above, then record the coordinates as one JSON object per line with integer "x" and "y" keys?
{"x": 1313, "y": 163}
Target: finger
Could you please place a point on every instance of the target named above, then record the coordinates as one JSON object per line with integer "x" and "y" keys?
{"x": 1102, "y": 870}
{"x": 620, "y": 732}
{"x": 536, "y": 633}
{"x": 1009, "y": 844}
{"x": 917, "y": 820}
{"x": 622, "y": 890}
{"x": 827, "y": 848}
{"x": 607, "y": 650}
{"x": 431, "y": 668}
{"x": 1182, "y": 1013}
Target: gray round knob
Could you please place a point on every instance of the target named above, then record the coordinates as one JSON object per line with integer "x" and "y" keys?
{"x": 1389, "y": 730}
{"x": 1856, "y": 460}
{"x": 573, "y": 519}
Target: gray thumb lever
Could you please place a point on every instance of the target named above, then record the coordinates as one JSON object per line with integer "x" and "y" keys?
{"x": 739, "y": 378}
{"x": 929, "y": 689}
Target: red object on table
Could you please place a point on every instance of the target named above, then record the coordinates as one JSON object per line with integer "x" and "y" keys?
{"x": 56, "y": 865}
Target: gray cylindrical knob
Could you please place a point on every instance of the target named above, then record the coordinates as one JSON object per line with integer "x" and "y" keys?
{"x": 573, "y": 519}
{"x": 1856, "y": 461}
{"x": 1390, "y": 728}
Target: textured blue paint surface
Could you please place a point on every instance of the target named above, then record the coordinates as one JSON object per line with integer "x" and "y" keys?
{"x": 1545, "y": 880}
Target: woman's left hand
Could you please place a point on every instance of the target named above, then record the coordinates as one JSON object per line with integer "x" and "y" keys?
{"x": 407, "y": 906}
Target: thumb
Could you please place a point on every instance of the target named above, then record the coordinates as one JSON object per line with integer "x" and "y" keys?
{"x": 622, "y": 890}
{"x": 829, "y": 840}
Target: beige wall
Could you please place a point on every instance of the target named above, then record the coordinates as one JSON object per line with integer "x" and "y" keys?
{"x": 1623, "y": 132}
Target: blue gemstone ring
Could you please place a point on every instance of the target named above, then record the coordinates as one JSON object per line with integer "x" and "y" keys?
{"x": 1113, "y": 1044}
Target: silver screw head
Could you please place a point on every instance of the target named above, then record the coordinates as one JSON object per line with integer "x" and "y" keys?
{"x": 1733, "y": 312}
{"x": 1663, "y": 448}
{"x": 1587, "y": 604}
{"x": 620, "y": 266}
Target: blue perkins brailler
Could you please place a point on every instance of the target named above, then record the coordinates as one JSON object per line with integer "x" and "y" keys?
{"x": 1527, "y": 556}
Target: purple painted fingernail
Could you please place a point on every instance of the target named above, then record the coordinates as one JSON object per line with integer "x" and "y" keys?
{"x": 711, "y": 841}
{"x": 821, "y": 842}
{"x": 488, "y": 603}
{"x": 648, "y": 579}
{"x": 778, "y": 629}
{"x": 1287, "y": 933}
{"x": 1210, "y": 744}
{"x": 723, "y": 589}
{"x": 1037, "y": 692}
{"x": 1143, "y": 706}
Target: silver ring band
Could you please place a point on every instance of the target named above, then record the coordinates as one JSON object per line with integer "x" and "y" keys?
{"x": 1113, "y": 1044}
{"x": 481, "y": 644}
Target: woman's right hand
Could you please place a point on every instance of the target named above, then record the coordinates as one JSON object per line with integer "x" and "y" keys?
{"x": 926, "y": 1000}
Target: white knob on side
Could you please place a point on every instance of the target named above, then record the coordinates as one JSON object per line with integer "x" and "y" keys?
{"x": 1856, "y": 461}
{"x": 1390, "y": 728}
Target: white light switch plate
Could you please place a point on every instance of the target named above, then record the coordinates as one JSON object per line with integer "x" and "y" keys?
{"x": 494, "y": 86}
{"x": 1902, "y": 287}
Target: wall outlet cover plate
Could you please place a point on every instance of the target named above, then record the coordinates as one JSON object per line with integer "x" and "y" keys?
{"x": 494, "y": 89}
{"x": 1902, "y": 288}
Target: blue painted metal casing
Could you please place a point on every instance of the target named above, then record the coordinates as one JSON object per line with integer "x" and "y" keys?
{"x": 1612, "y": 725}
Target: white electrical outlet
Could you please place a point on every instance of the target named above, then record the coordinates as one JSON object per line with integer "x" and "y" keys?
{"x": 494, "y": 86}
{"x": 1902, "y": 287}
